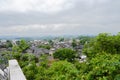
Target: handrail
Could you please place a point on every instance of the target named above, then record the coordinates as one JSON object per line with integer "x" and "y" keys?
{"x": 15, "y": 72}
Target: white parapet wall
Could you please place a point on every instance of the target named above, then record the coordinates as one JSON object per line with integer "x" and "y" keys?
{"x": 15, "y": 72}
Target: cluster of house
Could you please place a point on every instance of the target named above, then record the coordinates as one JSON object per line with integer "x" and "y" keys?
{"x": 37, "y": 51}
{"x": 34, "y": 49}
{"x": 55, "y": 46}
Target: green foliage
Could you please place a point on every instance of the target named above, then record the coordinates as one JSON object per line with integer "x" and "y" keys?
{"x": 8, "y": 44}
{"x": 65, "y": 54}
{"x": 45, "y": 46}
{"x": 16, "y": 48}
{"x": 30, "y": 70}
{"x": 62, "y": 70}
{"x": 74, "y": 43}
{"x": 61, "y": 39}
{"x": 25, "y": 57}
{"x": 104, "y": 42}
{"x": 7, "y": 55}
{"x": 117, "y": 43}
{"x": 3, "y": 59}
{"x": 117, "y": 77}
{"x": 23, "y": 63}
{"x": 28, "y": 57}
{"x": 84, "y": 39}
{"x": 17, "y": 55}
{"x": 43, "y": 61}
{"x": 51, "y": 42}
{"x": 21, "y": 47}
{"x": 42, "y": 69}
{"x": 103, "y": 66}
{"x": 42, "y": 74}
{"x": 103, "y": 62}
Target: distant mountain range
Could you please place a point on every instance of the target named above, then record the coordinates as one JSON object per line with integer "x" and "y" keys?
{"x": 33, "y": 37}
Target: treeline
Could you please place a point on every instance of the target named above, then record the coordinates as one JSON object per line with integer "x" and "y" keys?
{"x": 104, "y": 42}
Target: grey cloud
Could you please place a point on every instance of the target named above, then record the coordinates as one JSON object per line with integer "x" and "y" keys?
{"x": 86, "y": 17}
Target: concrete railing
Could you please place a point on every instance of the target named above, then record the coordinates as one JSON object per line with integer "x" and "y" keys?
{"x": 15, "y": 72}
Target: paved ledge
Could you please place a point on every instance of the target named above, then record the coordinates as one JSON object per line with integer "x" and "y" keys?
{"x": 15, "y": 72}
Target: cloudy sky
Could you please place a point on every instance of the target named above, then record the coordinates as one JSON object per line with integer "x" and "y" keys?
{"x": 59, "y": 17}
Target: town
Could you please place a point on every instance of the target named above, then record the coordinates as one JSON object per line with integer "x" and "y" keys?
{"x": 59, "y": 39}
{"x": 61, "y": 58}
{"x": 39, "y": 48}
{"x": 47, "y": 47}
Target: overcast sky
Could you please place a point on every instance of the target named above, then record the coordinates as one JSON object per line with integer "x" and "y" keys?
{"x": 59, "y": 17}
